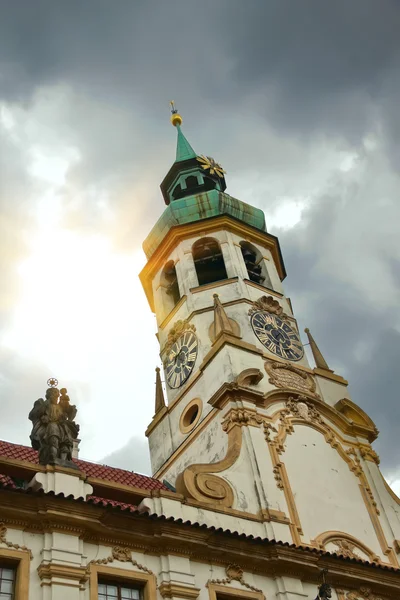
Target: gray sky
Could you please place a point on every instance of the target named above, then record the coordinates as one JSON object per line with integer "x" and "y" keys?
{"x": 297, "y": 100}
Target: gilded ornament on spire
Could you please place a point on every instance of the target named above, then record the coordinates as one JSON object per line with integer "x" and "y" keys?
{"x": 176, "y": 118}
{"x": 208, "y": 163}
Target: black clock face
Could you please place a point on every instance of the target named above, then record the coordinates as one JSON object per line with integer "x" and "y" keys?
{"x": 180, "y": 360}
{"x": 276, "y": 335}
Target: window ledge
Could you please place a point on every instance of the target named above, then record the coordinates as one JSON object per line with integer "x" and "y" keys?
{"x": 213, "y": 284}
{"x": 262, "y": 287}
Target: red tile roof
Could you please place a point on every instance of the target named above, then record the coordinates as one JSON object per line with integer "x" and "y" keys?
{"x": 129, "y": 478}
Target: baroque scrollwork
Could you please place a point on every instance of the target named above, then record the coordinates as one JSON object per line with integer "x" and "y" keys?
{"x": 284, "y": 375}
{"x": 176, "y": 331}
{"x": 368, "y": 453}
{"x": 345, "y": 548}
{"x": 198, "y": 481}
{"x": 235, "y": 573}
{"x": 242, "y": 418}
{"x": 3, "y": 540}
{"x": 363, "y": 594}
{"x": 345, "y": 545}
{"x": 269, "y": 304}
{"x": 122, "y": 554}
{"x": 302, "y": 409}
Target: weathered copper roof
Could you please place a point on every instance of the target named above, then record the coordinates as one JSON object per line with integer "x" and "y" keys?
{"x": 196, "y": 208}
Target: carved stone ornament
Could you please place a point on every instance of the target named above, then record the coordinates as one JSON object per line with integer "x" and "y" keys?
{"x": 54, "y": 428}
{"x": 3, "y": 540}
{"x": 176, "y": 331}
{"x": 345, "y": 548}
{"x": 235, "y": 573}
{"x": 363, "y": 594}
{"x": 299, "y": 407}
{"x": 269, "y": 304}
{"x": 123, "y": 554}
{"x": 249, "y": 377}
{"x": 283, "y": 375}
{"x": 369, "y": 454}
{"x": 241, "y": 418}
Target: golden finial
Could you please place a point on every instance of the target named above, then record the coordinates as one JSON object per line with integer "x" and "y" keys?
{"x": 176, "y": 118}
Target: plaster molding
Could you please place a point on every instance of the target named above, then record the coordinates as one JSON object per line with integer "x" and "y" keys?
{"x": 168, "y": 589}
{"x": 269, "y": 304}
{"x": 235, "y": 573}
{"x": 3, "y": 540}
{"x": 188, "y": 427}
{"x": 160, "y": 536}
{"x": 215, "y": 591}
{"x": 178, "y": 328}
{"x": 241, "y": 417}
{"x": 369, "y": 454}
{"x": 249, "y": 377}
{"x": 302, "y": 411}
{"x": 356, "y": 415}
{"x": 213, "y": 284}
{"x": 338, "y": 418}
{"x": 285, "y": 375}
{"x": 363, "y": 594}
{"x": 77, "y": 576}
{"x": 122, "y": 554}
{"x": 145, "y": 580}
{"x": 346, "y": 544}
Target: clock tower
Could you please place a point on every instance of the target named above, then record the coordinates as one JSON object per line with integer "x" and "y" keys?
{"x": 249, "y": 429}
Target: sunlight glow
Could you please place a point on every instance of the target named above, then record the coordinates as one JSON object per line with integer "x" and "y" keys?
{"x": 71, "y": 292}
{"x": 288, "y": 214}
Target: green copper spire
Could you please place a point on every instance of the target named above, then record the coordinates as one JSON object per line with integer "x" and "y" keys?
{"x": 184, "y": 150}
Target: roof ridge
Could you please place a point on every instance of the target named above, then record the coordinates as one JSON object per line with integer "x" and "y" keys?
{"x": 92, "y": 469}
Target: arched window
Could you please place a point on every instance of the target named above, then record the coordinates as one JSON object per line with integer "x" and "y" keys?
{"x": 208, "y": 261}
{"x": 255, "y": 265}
{"x": 177, "y": 193}
{"x": 169, "y": 282}
{"x": 191, "y": 182}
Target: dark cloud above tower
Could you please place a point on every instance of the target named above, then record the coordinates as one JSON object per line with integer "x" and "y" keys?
{"x": 298, "y": 100}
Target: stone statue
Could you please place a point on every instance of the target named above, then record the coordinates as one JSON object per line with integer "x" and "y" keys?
{"x": 324, "y": 592}
{"x": 54, "y": 429}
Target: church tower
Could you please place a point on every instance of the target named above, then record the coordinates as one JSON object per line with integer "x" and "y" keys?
{"x": 250, "y": 429}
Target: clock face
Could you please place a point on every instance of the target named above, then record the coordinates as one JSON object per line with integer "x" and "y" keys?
{"x": 180, "y": 359}
{"x": 276, "y": 335}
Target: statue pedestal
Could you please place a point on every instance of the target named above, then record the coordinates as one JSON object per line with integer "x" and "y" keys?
{"x": 62, "y": 480}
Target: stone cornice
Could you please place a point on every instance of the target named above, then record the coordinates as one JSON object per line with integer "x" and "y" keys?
{"x": 159, "y": 536}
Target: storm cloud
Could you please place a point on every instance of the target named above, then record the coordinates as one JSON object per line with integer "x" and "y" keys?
{"x": 298, "y": 100}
